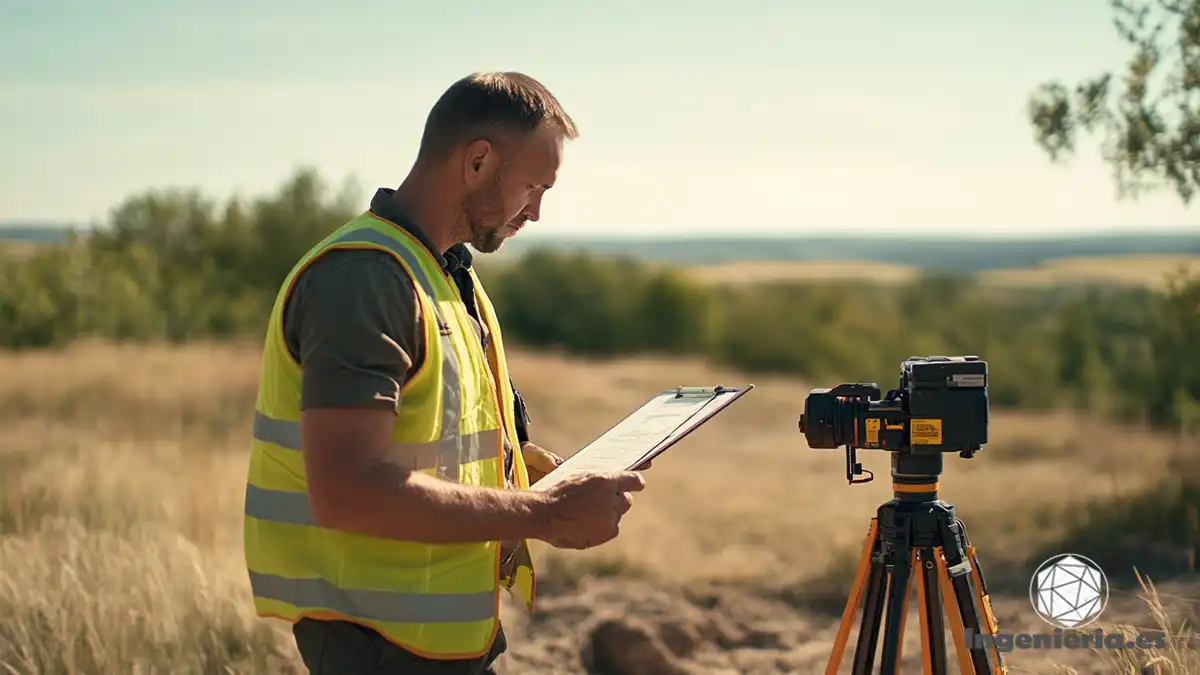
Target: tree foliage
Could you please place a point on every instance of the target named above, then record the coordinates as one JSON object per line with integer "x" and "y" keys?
{"x": 1147, "y": 114}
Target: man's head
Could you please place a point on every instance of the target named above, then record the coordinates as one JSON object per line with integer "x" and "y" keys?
{"x": 499, "y": 137}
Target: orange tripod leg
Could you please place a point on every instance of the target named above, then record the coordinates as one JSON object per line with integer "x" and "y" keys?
{"x": 986, "y": 615}
{"x": 953, "y": 615}
{"x": 856, "y": 591}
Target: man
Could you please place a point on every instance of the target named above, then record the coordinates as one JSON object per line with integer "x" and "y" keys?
{"x": 386, "y": 505}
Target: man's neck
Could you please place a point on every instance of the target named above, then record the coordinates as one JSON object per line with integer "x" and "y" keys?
{"x": 417, "y": 197}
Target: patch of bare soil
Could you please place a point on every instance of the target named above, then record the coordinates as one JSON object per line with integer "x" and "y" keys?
{"x": 630, "y": 627}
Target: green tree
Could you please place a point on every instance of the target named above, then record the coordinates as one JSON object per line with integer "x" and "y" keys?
{"x": 673, "y": 314}
{"x": 1148, "y": 115}
{"x": 1175, "y": 393}
{"x": 1148, "y": 119}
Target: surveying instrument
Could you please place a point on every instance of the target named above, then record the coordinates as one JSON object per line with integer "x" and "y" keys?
{"x": 940, "y": 407}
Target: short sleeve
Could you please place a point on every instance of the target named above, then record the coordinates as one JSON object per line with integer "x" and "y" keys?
{"x": 353, "y": 324}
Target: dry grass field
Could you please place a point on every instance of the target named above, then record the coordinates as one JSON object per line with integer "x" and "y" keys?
{"x": 122, "y": 469}
{"x": 1135, "y": 270}
{"x": 16, "y": 250}
{"x": 754, "y": 272}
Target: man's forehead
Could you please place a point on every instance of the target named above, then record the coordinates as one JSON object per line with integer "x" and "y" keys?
{"x": 540, "y": 154}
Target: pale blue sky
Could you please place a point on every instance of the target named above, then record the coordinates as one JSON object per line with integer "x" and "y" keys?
{"x": 786, "y": 117}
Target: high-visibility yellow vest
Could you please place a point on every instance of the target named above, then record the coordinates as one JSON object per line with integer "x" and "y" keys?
{"x": 439, "y": 601}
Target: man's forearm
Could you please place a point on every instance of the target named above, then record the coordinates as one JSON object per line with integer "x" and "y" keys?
{"x": 397, "y": 504}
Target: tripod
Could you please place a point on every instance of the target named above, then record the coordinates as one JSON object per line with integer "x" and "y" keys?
{"x": 917, "y": 534}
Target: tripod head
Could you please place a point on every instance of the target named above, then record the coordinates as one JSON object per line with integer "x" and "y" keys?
{"x": 941, "y": 406}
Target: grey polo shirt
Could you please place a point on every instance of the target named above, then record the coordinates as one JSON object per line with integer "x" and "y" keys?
{"x": 352, "y": 321}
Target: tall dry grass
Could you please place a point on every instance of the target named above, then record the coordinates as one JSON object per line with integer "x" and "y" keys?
{"x": 121, "y": 474}
{"x": 119, "y": 505}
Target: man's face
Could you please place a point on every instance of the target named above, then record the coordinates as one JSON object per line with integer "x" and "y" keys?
{"x": 498, "y": 206}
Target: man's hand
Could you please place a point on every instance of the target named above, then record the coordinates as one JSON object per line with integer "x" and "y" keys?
{"x": 586, "y": 511}
{"x": 540, "y": 461}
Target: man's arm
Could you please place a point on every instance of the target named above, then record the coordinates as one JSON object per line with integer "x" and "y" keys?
{"x": 351, "y": 488}
{"x": 354, "y": 325}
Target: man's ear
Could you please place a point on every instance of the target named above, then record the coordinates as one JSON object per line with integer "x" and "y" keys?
{"x": 478, "y": 162}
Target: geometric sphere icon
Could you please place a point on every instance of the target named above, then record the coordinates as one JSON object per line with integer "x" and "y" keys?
{"x": 1068, "y": 591}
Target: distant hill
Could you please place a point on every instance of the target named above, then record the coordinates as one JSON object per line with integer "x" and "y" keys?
{"x": 949, "y": 254}
{"x": 34, "y": 232}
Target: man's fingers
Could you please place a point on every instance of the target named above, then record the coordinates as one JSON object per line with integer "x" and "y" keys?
{"x": 629, "y": 481}
{"x": 622, "y": 501}
{"x": 539, "y": 458}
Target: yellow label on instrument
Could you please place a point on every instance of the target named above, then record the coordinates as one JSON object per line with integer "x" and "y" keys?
{"x": 926, "y": 432}
{"x": 899, "y": 426}
{"x": 873, "y": 430}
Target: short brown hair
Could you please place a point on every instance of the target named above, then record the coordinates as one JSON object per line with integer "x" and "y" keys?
{"x": 492, "y": 106}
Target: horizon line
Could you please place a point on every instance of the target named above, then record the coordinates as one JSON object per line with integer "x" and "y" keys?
{"x": 810, "y": 233}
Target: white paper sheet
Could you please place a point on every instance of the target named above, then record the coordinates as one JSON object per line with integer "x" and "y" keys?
{"x": 636, "y": 437}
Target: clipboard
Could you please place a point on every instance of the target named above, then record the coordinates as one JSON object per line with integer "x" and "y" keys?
{"x": 647, "y": 432}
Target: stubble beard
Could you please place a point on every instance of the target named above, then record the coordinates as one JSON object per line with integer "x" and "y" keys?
{"x": 484, "y": 216}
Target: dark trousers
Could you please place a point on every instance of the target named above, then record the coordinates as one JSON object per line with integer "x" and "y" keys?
{"x": 343, "y": 648}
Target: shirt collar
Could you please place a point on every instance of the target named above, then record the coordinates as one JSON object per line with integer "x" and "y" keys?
{"x": 458, "y": 257}
{"x": 384, "y": 205}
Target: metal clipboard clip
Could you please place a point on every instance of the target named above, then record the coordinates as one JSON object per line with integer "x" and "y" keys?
{"x": 700, "y": 392}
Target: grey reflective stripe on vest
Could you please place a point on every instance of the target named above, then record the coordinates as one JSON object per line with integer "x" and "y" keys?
{"x": 383, "y": 606}
{"x": 444, "y": 452}
{"x": 293, "y": 508}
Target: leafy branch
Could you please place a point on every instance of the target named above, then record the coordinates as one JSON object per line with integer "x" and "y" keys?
{"x": 1148, "y": 117}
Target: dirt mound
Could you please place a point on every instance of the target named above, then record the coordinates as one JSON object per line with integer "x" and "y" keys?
{"x": 622, "y": 627}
